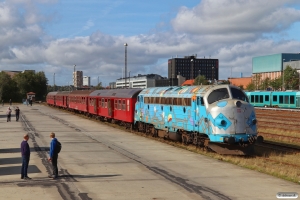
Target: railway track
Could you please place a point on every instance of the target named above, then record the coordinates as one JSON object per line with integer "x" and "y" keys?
{"x": 266, "y": 144}
{"x": 279, "y": 147}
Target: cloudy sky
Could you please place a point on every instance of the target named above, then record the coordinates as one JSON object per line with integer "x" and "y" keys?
{"x": 54, "y": 35}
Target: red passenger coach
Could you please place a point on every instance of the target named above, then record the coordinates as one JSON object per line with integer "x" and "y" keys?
{"x": 78, "y": 100}
{"x": 50, "y": 99}
{"x": 117, "y": 104}
{"x": 62, "y": 99}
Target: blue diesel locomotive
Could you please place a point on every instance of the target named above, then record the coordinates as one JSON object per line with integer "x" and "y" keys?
{"x": 218, "y": 117}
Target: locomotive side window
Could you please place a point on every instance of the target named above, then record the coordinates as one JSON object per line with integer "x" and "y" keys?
{"x": 217, "y": 95}
{"x": 238, "y": 94}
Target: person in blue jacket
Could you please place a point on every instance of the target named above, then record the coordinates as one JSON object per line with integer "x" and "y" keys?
{"x": 25, "y": 151}
{"x": 53, "y": 156}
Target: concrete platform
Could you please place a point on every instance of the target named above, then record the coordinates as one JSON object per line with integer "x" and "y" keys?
{"x": 101, "y": 162}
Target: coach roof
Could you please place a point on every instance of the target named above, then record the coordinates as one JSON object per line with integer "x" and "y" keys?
{"x": 120, "y": 93}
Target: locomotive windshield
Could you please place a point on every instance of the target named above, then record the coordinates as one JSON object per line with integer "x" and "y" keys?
{"x": 238, "y": 94}
{"x": 217, "y": 95}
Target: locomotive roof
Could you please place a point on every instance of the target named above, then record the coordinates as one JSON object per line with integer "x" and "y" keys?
{"x": 80, "y": 92}
{"x": 184, "y": 91}
{"x": 123, "y": 93}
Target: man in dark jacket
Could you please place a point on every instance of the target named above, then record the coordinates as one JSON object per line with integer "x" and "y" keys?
{"x": 25, "y": 150}
{"x": 17, "y": 110}
{"x": 53, "y": 156}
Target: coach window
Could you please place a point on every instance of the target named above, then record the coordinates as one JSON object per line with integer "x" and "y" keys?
{"x": 256, "y": 99}
{"x": 116, "y": 104}
{"x": 280, "y": 99}
{"x": 286, "y": 99}
{"x": 292, "y": 99}
{"x": 105, "y": 103}
{"x": 275, "y": 98}
{"x": 267, "y": 98}
{"x": 261, "y": 98}
{"x": 102, "y": 103}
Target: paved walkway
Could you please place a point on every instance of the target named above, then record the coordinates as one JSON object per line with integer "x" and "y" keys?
{"x": 100, "y": 162}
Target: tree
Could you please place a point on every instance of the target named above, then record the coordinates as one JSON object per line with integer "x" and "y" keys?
{"x": 200, "y": 80}
{"x": 99, "y": 86}
{"x": 32, "y": 82}
{"x": 291, "y": 79}
{"x": 8, "y": 88}
{"x": 250, "y": 87}
{"x": 276, "y": 83}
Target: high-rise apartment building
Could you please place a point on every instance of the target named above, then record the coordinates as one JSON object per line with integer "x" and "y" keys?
{"x": 190, "y": 67}
{"x": 86, "y": 81}
{"x": 78, "y": 79}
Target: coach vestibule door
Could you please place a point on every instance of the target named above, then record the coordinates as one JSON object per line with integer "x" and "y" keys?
{"x": 109, "y": 107}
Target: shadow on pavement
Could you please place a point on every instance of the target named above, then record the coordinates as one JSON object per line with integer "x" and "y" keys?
{"x": 12, "y": 170}
{"x": 18, "y": 150}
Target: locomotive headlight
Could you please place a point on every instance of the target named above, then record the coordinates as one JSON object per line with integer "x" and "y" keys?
{"x": 220, "y": 122}
{"x": 238, "y": 104}
{"x": 254, "y": 121}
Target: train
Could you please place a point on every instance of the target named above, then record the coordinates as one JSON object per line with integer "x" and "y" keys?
{"x": 215, "y": 117}
{"x": 278, "y": 99}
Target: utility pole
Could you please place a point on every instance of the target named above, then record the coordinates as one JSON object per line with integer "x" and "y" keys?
{"x": 125, "y": 64}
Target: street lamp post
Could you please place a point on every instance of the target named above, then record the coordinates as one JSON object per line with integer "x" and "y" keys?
{"x": 199, "y": 77}
{"x": 282, "y": 74}
{"x": 54, "y": 82}
{"x": 212, "y": 77}
{"x": 192, "y": 69}
{"x": 299, "y": 81}
{"x": 125, "y": 64}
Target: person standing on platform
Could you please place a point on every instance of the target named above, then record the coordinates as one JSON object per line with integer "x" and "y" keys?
{"x": 25, "y": 150}
{"x": 10, "y": 102}
{"x": 8, "y": 113}
{"x": 17, "y": 113}
{"x": 53, "y": 156}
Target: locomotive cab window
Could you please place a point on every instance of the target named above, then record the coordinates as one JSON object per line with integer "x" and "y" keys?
{"x": 217, "y": 95}
{"x": 238, "y": 94}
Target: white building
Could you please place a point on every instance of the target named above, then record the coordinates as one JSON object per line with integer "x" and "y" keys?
{"x": 77, "y": 79}
{"x": 86, "y": 81}
{"x": 139, "y": 81}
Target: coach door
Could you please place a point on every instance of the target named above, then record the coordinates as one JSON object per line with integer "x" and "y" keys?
{"x": 109, "y": 107}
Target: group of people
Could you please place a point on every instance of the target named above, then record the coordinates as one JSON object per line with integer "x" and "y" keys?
{"x": 8, "y": 113}
{"x": 53, "y": 156}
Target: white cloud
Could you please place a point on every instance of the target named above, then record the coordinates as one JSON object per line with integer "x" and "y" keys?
{"x": 235, "y": 17}
{"x": 230, "y": 30}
